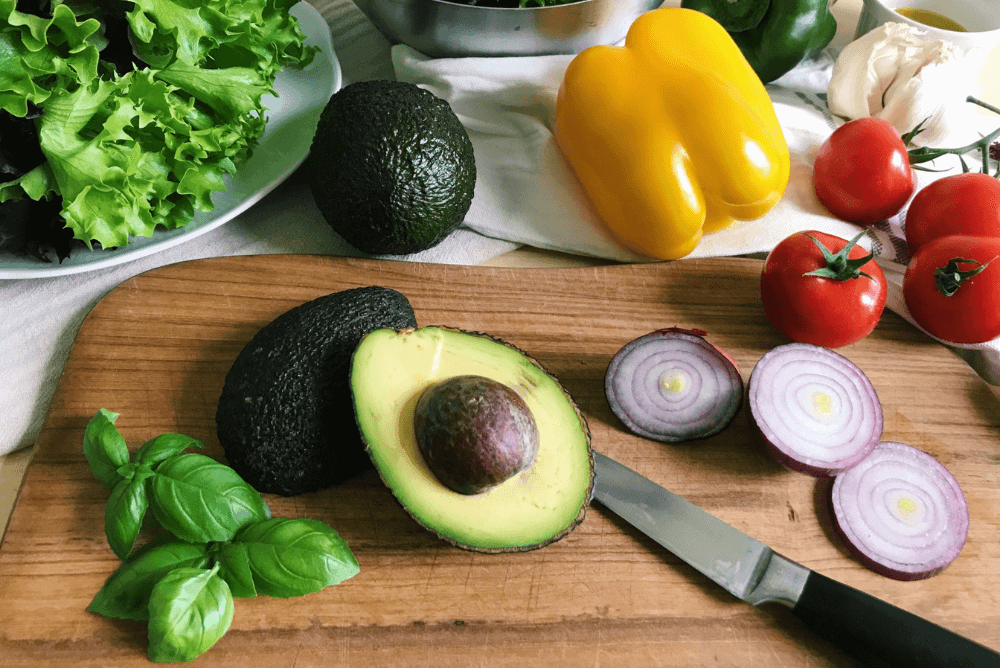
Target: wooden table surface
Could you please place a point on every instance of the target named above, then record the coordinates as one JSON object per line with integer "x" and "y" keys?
{"x": 157, "y": 349}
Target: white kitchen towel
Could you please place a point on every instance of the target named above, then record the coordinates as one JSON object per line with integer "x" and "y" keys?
{"x": 526, "y": 192}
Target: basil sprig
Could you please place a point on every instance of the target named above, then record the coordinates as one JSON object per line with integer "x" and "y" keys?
{"x": 223, "y": 542}
{"x": 192, "y": 496}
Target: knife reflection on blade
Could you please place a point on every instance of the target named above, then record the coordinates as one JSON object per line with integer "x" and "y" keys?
{"x": 866, "y": 627}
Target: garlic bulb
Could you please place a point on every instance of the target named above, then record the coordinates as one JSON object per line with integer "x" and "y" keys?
{"x": 893, "y": 74}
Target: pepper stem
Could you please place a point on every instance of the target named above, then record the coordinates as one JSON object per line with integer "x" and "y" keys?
{"x": 840, "y": 266}
{"x": 949, "y": 278}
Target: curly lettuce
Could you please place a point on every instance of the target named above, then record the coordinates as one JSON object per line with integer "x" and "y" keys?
{"x": 40, "y": 56}
{"x": 130, "y": 153}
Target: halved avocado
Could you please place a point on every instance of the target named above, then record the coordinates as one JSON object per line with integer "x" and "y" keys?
{"x": 542, "y": 503}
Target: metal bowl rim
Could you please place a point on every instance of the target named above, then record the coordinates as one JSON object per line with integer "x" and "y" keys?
{"x": 480, "y": 8}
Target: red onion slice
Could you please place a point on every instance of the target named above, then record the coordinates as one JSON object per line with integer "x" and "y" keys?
{"x": 672, "y": 385}
{"x": 816, "y": 410}
{"x": 901, "y": 512}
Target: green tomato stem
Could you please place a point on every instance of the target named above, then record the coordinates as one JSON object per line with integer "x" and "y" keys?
{"x": 950, "y": 278}
{"x": 840, "y": 266}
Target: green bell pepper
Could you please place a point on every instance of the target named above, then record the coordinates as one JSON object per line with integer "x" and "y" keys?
{"x": 774, "y": 35}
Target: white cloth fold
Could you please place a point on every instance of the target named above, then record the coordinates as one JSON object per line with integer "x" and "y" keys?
{"x": 527, "y": 192}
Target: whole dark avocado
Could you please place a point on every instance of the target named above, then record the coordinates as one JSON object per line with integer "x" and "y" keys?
{"x": 285, "y": 418}
{"x": 391, "y": 167}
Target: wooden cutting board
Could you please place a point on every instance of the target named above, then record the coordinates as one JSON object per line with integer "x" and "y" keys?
{"x": 157, "y": 348}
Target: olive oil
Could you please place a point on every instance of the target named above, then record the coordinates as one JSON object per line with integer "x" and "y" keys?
{"x": 930, "y": 18}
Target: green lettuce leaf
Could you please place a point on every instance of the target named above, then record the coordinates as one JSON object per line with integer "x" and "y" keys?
{"x": 231, "y": 93}
{"x": 144, "y": 150}
{"x": 39, "y": 56}
{"x": 225, "y": 33}
{"x": 37, "y": 184}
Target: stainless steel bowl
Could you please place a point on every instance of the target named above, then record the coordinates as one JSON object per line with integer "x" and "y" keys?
{"x": 442, "y": 29}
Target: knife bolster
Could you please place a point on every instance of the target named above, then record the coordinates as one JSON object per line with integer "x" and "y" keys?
{"x": 782, "y": 581}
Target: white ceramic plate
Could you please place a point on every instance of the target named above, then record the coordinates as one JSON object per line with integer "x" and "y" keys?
{"x": 292, "y": 118}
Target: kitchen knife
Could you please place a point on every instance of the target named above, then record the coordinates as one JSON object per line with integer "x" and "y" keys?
{"x": 873, "y": 631}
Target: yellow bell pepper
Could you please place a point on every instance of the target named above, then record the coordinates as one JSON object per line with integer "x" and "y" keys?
{"x": 671, "y": 135}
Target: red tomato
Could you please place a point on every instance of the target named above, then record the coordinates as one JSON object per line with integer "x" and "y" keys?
{"x": 862, "y": 172}
{"x": 966, "y": 203}
{"x": 972, "y": 313}
{"x": 813, "y": 309}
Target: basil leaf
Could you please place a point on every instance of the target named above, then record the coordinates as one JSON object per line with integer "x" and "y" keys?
{"x": 200, "y": 500}
{"x": 164, "y": 447}
{"x": 189, "y": 610}
{"x": 125, "y": 594}
{"x": 294, "y": 557}
{"x": 124, "y": 512}
{"x": 234, "y": 563}
{"x": 104, "y": 447}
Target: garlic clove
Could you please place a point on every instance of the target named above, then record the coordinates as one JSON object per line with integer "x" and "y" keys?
{"x": 894, "y": 74}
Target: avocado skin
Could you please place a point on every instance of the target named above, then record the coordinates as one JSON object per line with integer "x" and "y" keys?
{"x": 285, "y": 417}
{"x": 391, "y": 167}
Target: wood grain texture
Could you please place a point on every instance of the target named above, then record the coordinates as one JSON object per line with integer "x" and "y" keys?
{"x": 157, "y": 349}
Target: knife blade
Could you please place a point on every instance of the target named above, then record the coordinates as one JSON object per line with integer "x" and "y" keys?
{"x": 866, "y": 627}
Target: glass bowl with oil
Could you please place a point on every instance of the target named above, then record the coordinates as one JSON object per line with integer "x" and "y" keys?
{"x": 973, "y": 25}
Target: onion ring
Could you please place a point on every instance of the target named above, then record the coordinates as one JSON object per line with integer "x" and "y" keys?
{"x": 673, "y": 385}
{"x": 815, "y": 410}
{"x": 900, "y": 512}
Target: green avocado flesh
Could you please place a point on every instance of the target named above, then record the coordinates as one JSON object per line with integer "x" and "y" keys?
{"x": 540, "y": 504}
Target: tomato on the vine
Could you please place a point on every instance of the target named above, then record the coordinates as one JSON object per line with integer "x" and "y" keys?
{"x": 967, "y": 203}
{"x": 821, "y": 289}
{"x": 862, "y": 172}
{"x": 952, "y": 288}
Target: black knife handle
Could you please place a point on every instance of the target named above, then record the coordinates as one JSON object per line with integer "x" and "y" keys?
{"x": 880, "y": 634}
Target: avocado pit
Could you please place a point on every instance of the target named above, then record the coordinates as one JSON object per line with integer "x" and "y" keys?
{"x": 474, "y": 433}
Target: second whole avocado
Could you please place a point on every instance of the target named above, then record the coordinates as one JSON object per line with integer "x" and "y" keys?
{"x": 391, "y": 167}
